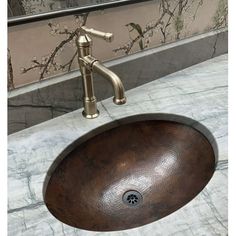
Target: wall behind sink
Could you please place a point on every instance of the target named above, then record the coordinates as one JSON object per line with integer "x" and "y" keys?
{"x": 44, "y": 49}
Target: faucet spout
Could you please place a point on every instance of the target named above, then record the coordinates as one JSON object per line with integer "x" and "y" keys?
{"x": 115, "y": 81}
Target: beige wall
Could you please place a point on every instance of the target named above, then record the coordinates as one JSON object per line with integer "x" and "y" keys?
{"x": 36, "y": 41}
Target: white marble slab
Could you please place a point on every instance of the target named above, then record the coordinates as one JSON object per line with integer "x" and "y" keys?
{"x": 199, "y": 93}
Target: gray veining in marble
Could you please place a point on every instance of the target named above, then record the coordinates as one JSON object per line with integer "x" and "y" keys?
{"x": 36, "y": 103}
{"x": 198, "y": 92}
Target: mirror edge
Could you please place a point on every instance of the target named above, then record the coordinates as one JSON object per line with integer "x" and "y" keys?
{"x": 18, "y": 20}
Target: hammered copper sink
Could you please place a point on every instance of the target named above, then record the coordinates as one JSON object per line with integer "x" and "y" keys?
{"x": 130, "y": 175}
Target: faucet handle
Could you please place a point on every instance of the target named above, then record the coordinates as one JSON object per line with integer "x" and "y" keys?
{"x": 99, "y": 34}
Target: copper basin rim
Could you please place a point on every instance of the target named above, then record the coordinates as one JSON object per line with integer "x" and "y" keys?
{"x": 130, "y": 172}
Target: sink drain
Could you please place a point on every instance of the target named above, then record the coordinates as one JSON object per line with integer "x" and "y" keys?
{"x": 132, "y": 198}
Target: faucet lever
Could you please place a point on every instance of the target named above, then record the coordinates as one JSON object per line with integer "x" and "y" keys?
{"x": 109, "y": 37}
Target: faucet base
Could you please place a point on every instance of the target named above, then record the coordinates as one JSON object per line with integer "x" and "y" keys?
{"x": 90, "y": 108}
{"x": 95, "y": 115}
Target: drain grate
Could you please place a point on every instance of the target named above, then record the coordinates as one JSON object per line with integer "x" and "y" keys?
{"x": 132, "y": 198}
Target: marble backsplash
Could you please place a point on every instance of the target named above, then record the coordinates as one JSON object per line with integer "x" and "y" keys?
{"x": 44, "y": 49}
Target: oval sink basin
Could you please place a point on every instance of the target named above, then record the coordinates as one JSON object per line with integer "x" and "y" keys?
{"x": 130, "y": 175}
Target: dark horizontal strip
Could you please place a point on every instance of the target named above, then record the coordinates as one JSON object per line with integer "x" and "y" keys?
{"x": 13, "y": 21}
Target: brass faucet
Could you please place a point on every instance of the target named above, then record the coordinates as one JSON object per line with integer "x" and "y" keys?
{"x": 88, "y": 65}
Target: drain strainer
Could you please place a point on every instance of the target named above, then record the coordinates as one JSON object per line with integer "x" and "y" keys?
{"x": 132, "y": 198}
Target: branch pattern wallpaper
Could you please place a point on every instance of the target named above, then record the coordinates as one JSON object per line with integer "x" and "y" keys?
{"x": 44, "y": 49}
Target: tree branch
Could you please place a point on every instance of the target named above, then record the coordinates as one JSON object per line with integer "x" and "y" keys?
{"x": 10, "y": 81}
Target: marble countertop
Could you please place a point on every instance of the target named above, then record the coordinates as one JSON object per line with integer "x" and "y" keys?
{"x": 198, "y": 92}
